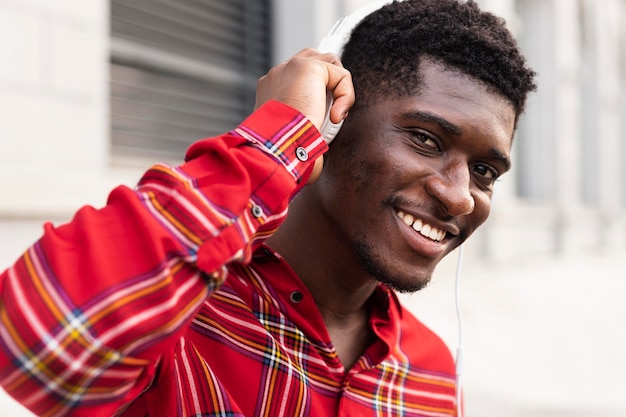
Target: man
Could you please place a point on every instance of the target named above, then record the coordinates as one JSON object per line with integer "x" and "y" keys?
{"x": 166, "y": 302}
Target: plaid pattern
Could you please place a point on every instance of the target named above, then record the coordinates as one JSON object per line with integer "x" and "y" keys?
{"x": 251, "y": 351}
{"x": 129, "y": 310}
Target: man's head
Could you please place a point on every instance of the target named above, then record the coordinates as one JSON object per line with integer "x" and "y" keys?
{"x": 385, "y": 50}
{"x": 439, "y": 88}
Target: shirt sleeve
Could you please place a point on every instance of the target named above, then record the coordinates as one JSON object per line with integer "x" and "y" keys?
{"x": 88, "y": 310}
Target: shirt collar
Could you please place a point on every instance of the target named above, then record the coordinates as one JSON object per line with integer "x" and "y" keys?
{"x": 385, "y": 315}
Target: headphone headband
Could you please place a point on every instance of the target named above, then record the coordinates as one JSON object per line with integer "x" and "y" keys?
{"x": 339, "y": 33}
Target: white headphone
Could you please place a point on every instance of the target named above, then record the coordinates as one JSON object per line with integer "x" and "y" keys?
{"x": 334, "y": 43}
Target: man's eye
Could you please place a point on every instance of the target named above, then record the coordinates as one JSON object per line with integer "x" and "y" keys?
{"x": 426, "y": 140}
{"x": 485, "y": 172}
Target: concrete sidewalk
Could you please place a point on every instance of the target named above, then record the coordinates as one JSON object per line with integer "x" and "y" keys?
{"x": 542, "y": 338}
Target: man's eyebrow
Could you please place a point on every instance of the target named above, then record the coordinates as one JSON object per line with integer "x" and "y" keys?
{"x": 423, "y": 116}
{"x": 501, "y": 156}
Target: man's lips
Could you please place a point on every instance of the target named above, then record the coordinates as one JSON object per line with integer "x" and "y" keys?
{"x": 423, "y": 228}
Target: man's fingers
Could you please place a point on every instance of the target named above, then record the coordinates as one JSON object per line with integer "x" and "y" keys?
{"x": 340, "y": 84}
{"x": 302, "y": 82}
{"x": 330, "y": 58}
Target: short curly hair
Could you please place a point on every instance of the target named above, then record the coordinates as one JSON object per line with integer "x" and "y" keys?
{"x": 385, "y": 49}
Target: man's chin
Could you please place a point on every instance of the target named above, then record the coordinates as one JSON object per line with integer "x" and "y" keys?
{"x": 401, "y": 282}
{"x": 408, "y": 287}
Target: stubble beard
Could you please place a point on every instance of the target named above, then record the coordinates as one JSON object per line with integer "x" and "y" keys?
{"x": 375, "y": 267}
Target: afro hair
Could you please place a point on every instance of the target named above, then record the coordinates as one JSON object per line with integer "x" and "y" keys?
{"x": 385, "y": 49}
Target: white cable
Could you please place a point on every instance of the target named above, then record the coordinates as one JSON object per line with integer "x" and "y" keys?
{"x": 459, "y": 349}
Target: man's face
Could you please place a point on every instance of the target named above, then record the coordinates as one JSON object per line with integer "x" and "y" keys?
{"x": 409, "y": 179}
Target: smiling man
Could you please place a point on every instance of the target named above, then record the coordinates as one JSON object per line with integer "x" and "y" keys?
{"x": 183, "y": 297}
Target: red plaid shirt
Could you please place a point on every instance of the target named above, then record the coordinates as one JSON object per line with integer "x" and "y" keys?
{"x": 159, "y": 304}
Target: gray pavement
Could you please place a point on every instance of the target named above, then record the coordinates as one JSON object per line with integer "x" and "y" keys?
{"x": 541, "y": 337}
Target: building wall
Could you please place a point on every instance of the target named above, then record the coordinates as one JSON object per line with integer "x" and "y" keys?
{"x": 567, "y": 192}
{"x": 53, "y": 101}
{"x": 53, "y": 128}
{"x": 570, "y": 144}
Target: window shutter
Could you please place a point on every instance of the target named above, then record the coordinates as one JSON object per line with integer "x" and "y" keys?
{"x": 182, "y": 70}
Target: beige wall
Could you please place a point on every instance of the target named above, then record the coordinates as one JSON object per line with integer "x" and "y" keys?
{"x": 54, "y": 153}
{"x": 53, "y": 128}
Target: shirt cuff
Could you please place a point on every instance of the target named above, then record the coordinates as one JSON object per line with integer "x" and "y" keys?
{"x": 285, "y": 134}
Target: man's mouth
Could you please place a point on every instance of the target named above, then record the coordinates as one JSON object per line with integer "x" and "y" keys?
{"x": 422, "y": 228}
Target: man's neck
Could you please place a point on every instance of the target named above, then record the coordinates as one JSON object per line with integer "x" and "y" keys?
{"x": 328, "y": 267}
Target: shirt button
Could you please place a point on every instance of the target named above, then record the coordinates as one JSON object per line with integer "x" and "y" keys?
{"x": 302, "y": 154}
{"x": 257, "y": 211}
{"x": 296, "y": 296}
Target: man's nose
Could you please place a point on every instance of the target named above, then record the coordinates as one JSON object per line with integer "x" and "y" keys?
{"x": 451, "y": 187}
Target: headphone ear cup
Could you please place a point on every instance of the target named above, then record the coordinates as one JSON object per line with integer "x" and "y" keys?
{"x": 329, "y": 129}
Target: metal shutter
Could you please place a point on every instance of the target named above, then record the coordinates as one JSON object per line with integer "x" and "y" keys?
{"x": 182, "y": 70}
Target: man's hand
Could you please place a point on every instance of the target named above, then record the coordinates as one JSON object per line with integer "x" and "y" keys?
{"x": 302, "y": 82}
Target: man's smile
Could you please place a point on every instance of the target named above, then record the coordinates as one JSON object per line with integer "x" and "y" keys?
{"x": 421, "y": 227}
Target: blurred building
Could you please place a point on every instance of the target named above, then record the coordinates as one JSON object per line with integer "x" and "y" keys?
{"x": 92, "y": 92}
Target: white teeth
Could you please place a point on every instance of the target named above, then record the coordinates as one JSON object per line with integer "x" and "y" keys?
{"x": 418, "y": 225}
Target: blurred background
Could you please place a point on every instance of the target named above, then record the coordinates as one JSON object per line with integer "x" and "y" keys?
{"x": 93, "y": 92}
